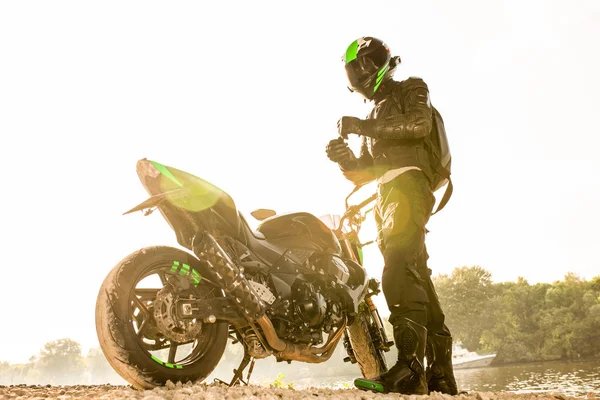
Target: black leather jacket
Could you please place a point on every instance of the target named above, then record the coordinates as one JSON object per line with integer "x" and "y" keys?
{"x": 395, "y": 131}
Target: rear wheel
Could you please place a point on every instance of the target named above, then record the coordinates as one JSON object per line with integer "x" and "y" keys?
{"x": 137, "y": 328}
{"x": 370, "y": 359}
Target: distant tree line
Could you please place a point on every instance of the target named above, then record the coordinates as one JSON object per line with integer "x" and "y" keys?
{"x": 60, "y": 362}
{"x": 519, "y": 321}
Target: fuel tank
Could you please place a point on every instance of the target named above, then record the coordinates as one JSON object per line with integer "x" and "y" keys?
{"x": 301, "y": 225}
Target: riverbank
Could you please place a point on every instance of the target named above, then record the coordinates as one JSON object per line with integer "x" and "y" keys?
{"x": 214, "y": 391}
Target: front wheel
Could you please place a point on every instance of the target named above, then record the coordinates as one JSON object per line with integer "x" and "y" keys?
{"x": 370, "y": 359}
{"x": 137, "y": 328}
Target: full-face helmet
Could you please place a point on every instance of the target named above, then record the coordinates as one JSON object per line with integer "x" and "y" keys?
{"x": 368, "y": 64}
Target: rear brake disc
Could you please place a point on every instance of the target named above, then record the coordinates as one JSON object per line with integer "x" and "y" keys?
{"x": 172, "y": 328}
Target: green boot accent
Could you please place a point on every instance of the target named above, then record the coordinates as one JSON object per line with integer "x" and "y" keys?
{"x": 367, "y": 384}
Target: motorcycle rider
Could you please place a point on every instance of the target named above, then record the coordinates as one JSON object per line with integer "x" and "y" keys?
{"x": 394, "y": 152}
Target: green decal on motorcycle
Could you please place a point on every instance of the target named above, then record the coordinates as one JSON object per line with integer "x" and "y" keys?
{"x": 184, "y": 269}
{"x": 175, "y": 266}
{"x": 359, "y": 250}
{"x": 163, "y": 170}
{"x": 168, "y": 365}
{"x": 187, "y": 271}
{"x": 158, "y": 360}
{"x": 196, "y": 277}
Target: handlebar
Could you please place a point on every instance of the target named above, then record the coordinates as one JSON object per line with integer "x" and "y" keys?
{"x": 351, "y": 211}
{"x": 356, "y": 189}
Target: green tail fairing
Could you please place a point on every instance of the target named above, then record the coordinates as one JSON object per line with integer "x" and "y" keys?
{"x": 163, "y": 170}
{"x": 183, "y": 190}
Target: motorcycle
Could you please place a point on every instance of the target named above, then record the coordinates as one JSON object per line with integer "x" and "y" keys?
{"x": 164, "y": 313}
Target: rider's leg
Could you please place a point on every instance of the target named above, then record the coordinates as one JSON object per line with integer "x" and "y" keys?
{"x": 402, "y": 211}
{"x": 440, "y": 373}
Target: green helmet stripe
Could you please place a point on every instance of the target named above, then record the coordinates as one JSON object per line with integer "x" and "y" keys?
{"x": 352, "y": 51}
{"x": 380, "y": 76}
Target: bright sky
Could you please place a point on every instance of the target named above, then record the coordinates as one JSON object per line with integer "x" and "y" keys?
{"x": 246, "y": 95}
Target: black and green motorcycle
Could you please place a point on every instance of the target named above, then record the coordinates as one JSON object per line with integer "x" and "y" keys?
{"x": 294, "y": 288}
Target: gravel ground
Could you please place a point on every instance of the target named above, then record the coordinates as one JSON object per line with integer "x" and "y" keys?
{"x": 215, "y": 391}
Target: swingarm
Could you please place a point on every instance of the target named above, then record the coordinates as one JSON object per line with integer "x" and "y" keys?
{"x": 208, "y": 310}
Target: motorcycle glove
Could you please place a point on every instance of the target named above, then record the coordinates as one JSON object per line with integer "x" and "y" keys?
{"x": 339, "y": 152}
{"x": 347, "y": 125}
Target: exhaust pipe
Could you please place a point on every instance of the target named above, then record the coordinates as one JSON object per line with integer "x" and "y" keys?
{"x": 300, "y": 352}
{"x": 232, "y": 280}
{"x": 237, "y": 287}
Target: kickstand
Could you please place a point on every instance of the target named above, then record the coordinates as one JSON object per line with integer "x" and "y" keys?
{"x": 250, "y": 370}
{"x": 239, "y": 372}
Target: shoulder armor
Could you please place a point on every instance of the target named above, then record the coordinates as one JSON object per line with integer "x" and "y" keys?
{"x": 413, "y": 82}
{"x": 397, "y": 89}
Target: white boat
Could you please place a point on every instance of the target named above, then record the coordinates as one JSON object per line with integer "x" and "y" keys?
{"x": 463, "y": 358}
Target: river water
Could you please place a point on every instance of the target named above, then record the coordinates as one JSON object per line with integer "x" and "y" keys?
{"x": 571, "y": 378}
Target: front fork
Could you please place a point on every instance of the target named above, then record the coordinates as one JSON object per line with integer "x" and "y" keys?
{"x": 377, "y": 330}
{"x": 380, "y": 339}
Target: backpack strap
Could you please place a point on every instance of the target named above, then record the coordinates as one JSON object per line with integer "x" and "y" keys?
{"x": 430, "y": 148}
{"x": 447, "y": 192}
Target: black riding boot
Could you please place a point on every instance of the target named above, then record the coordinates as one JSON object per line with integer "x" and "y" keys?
{"x": 440, "y": 374}
{"x": 407, "y": 376}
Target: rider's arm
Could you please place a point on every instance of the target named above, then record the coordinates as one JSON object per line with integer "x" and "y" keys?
{"x": 414, "y": 123}
{"x": 360, "y": 171}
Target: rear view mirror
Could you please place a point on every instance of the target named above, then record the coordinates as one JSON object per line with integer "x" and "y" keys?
{"x": 262, "y": 214}
{"x": 331, "y": 221}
